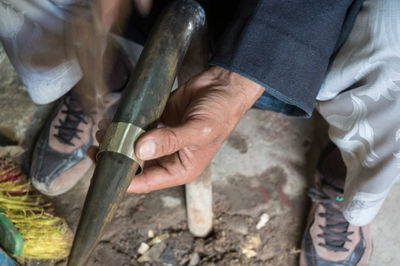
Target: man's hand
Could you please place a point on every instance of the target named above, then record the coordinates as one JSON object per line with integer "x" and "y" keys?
{"x": 198, "y": 117}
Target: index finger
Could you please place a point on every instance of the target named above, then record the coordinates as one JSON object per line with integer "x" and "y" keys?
{"x": 173, "y": 170}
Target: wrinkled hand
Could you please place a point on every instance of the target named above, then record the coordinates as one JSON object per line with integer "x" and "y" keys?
{"x": 198, "y": 117}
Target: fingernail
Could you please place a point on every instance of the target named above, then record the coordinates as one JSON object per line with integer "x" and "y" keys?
{"x": 147, "y": 149}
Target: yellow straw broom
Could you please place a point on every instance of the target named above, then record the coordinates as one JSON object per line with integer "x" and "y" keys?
{"x": 45, "y": 236}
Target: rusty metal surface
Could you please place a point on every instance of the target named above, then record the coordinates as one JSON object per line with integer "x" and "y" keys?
{"x": 141, "y": 105}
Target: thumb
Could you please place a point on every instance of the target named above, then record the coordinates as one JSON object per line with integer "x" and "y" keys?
{"x": 167, "y": 140}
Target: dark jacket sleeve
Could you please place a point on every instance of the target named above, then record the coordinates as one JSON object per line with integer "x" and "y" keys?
{"x": 285, "y": 46}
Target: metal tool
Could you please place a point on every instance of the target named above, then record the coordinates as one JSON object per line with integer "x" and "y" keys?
{"x": 183, "y": 24}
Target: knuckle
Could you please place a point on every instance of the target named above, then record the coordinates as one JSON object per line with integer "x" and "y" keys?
{"x": 104, "y": 123}
{"x": 172, "y": 141}
{"x": 99, "y": 136}
{"x": 206, "y": 131}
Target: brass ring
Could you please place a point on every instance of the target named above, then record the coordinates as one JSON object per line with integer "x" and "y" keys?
{"x": 120, "y": 138}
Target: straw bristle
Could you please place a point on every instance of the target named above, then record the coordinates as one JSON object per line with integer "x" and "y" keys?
{"x": 46, "y": 236}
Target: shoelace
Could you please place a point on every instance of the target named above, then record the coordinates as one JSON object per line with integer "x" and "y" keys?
{"x": 68, "y": 128}
{"x": 335, "y": 231}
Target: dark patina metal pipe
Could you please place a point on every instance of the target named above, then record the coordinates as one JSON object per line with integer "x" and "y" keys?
{"x": 181, "y": 25}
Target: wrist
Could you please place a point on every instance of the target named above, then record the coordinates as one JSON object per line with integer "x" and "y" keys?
{"x": 245, "y": 91}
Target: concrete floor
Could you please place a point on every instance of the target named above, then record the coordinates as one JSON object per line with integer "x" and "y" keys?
{"x": 386, "y": 232}
{"x": 263, "y": 168}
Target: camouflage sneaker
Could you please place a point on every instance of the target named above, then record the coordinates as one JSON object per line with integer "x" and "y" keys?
{"x": 329, "y": 240}
{"x": 60, "y": 158}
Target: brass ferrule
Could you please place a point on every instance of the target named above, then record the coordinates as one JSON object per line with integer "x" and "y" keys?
{"x": 120, "y": 138}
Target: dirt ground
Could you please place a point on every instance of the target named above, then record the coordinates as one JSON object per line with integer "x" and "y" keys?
{"x": 261, "y": 171}
{"x": 234, "y": 240}
{"x": 159, "y": 218}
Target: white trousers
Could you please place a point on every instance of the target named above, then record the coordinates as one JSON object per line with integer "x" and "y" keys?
{"x": 35, "y": 44}
{"x": 360, "y": 99}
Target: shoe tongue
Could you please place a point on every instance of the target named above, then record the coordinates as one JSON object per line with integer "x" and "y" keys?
{"x": 337, "y": 182}
{"x": 333, "y": 193}
{"x": 75, "y": 106}
{"x": 333, "y": 169}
